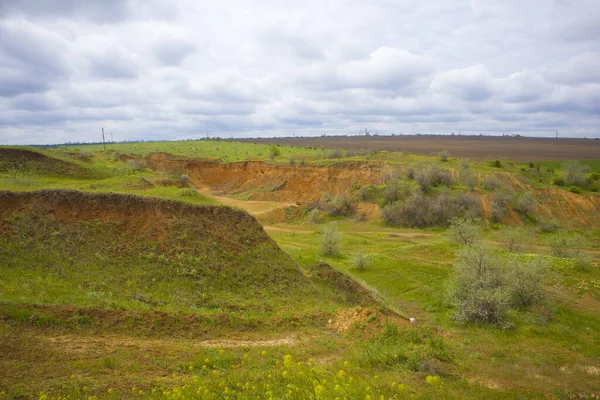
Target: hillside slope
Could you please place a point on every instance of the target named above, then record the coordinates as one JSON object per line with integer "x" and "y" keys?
{"x": 129, "y": 252}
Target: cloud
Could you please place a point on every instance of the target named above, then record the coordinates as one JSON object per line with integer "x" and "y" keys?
{"x": 100, "y": 11}
{"x": 172, "y": 52}
{"x": 469, "y": 84}
{"x": 152, "y": 69}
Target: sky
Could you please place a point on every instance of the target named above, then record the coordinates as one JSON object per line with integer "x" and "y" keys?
{"x": 153, "y": 70}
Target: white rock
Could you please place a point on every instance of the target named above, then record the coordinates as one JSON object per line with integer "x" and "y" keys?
{"x": 412, "y": 320}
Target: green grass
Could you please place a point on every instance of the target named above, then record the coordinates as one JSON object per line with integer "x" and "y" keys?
{"x": 119, "y": 308}
{"x": 224, "y": 150}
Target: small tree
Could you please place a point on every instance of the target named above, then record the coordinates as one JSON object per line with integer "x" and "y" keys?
{"x": 465, "y": 231}
{"x": 330, "y": 241}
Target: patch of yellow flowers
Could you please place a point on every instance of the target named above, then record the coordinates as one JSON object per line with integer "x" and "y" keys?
{"x": 291, "y": 379}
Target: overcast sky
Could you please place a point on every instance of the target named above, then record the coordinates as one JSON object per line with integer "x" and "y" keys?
{"x": 179, "y": 69}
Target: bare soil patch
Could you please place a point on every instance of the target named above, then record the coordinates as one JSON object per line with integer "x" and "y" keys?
{"x": 475, "y": 147}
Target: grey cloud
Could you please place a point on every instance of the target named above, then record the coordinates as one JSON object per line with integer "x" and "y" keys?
{"x": 169, "y": 70}
{"x": 469, "y": 84}
{"x": 278, "y": 43}
{"x": 105, "y": 11}
{"x": 173, "y": 52}
{"x": 113, "y": 64}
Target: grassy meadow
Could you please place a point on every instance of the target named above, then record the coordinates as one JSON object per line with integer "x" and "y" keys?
{"x": 163, "y": 305}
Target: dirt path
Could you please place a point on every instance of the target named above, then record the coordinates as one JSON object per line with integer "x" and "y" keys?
{"x": 253, "y": 207}
{"x": 100, "y": 344}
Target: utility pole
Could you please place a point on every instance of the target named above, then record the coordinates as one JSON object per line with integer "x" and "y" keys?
{"x": 103, "y": 140}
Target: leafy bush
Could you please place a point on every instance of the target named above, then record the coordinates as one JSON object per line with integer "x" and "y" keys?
{"x": 361, "y": 261}
{"x": 468, "y": 178}
{"x": 525, "y": 203}
{"x": 525, "y": 283}
{"x": 495, "y": 164}
{"x": 484, "y": 290}
{"x": 575, "y": 189}
{"x": 274, "y": 152}
{"x": 313, "y": 216}
{"x": 514, "y": 238}
{"x": 547, "y": 224}
{"x": 499, "y": 204}
{"x": 338, "y": 205}
{"x": 429, "y": 176}
{"x": 478, "y": 289}
{"x": 490, "y": 182}
{"x": 575, "y": 173}
{"x": 559, "y": 182}
{"x": 330, "y": 240}
{"x": 444, "y": 155}
{"x": 419, "y": 211}
{"x": 564, "y": 245}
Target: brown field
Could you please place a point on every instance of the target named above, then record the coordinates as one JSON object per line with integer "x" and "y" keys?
{"x": 475, "y": 147}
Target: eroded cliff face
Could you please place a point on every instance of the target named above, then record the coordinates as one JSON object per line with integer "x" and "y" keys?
{"x": 258, "y": 180}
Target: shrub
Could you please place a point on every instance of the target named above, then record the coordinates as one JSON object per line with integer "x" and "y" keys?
{"x": 274, "y": 152}
{"x": 363, "y": 193}
{"x": 444, "y": 155}
{"x": 465, "y": 230}
{"x": 499, "y": 204}
{"x": 525, "y": 203}
{"x": 430, "y": 176}
{"x": 495, "y": 164}
{"x": 514, "y": 238}
{"x": 559, "y": 182}
{"x": 575, "y": 173}
{"x": 564, "y": 245}
{"x": 468, "y": 178}
{"x": 490, "y": 182}
{"x": 330, "y": 241}
{"x": 525, "y": 283}
{"x": 390, "y": 194}
{"x": 419, "y": 211}
{"x": 313, "y": 216}
{"x": 547, "y": 224}
{"x": 478, "y": 289}
{"x": 361, "y": 261}
{"x": 338, "y": 205}
{"x": 465, "y": 163}
{"x": 575, "y": 189}
{"x": 292, "y": 162}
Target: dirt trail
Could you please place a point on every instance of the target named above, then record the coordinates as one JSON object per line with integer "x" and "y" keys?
{"x": 100, "y": 344}
{"x": 253, "y": 207}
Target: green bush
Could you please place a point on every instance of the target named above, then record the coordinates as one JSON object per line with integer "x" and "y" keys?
{"x": 478, "y": 290}
{"x": 525, "y": 283}
{"x": 330, "y": 240}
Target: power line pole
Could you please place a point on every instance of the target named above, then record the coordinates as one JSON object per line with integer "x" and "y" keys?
{"x": 103, "y": 140}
